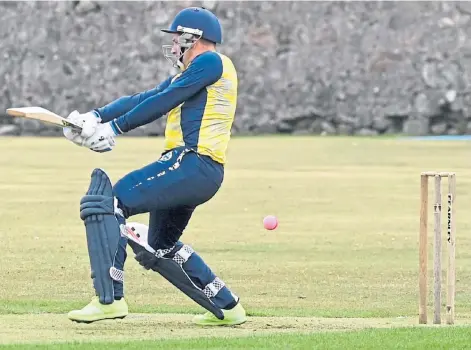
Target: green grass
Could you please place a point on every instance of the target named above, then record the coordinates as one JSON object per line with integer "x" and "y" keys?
{"x": 403, "y": 338}
{"x": 346, "y": 245}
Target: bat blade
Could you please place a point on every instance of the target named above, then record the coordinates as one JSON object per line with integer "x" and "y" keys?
{"x": 43, "y": 115}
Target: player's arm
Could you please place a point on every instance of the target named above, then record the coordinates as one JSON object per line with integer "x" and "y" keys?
{"x": 124, "y": 104}
{"x": 205, "y": 70}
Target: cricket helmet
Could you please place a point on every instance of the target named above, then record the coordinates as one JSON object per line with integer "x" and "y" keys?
{"x": 199, "y": 22}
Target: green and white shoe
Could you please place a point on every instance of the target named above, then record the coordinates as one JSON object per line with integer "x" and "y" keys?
{"x": 232, "y": 317}
{"x": 95, "y": 311}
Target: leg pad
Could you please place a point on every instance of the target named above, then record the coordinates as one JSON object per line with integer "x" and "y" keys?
{"x": 102, "y": 230}
{"x": 171, "y": 269}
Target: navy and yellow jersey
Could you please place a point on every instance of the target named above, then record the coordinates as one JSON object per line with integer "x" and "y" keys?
{"x": 200, "y": 102}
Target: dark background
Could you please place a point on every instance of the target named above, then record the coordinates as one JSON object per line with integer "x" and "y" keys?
{"x": 304, "y": 67}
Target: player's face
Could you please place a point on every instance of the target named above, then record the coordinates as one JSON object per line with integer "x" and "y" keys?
{"x": 176, "y": 48}
{"x": 174, "y": 52}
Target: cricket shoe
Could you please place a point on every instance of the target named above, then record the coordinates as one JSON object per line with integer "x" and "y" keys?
{"x": 232, "y": 317}
{"x": 95, "y": 311}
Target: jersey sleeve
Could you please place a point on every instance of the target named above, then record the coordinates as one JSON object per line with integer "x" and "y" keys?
{"x": 124, "y": 104}
{"x": 205, "y": 70}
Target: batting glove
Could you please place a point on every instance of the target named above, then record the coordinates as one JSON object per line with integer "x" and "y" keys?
{"x": 88, "y": 121}
{"x": 102, "y": 140}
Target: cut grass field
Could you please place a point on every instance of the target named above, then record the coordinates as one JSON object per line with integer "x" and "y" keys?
{"x": 344, "y": 257}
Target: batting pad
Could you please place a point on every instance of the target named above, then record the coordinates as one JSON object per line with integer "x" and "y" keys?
{"x": 171, "y": 269}
{"x": 102, "y": 229}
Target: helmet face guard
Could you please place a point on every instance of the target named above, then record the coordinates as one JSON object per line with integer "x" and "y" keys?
{"x": 186, "y": 40}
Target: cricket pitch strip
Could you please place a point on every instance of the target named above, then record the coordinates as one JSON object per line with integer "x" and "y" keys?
{"x": 53, "y": 328}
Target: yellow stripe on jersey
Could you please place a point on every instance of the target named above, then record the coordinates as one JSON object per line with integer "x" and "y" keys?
{"x": 215, "y": 130}
{"x": 173, "y": 130}
{"x": 204, "y": 121}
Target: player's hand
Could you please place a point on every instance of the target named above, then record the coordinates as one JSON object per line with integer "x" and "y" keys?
{"x": 88, "y": 121}
{"x": 72, "y": 134}
{"x": 102, "y": 140}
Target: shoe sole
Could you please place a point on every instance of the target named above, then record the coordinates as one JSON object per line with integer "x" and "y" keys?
{"x": 220, "y": 323}
{"x": 99, "y": 319}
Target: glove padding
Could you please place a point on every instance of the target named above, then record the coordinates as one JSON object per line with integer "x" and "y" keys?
{"x": 102, "y": 140}
{"x": 88, "y": 122}
{"x": 73, "y": 135}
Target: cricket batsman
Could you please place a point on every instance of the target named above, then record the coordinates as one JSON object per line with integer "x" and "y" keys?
{"x": 200, "y": 103}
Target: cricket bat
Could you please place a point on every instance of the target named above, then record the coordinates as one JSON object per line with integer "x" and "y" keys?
{"x": 43, "y": 115}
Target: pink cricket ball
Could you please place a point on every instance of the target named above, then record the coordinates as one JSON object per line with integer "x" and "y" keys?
{"x": 270, "y": 222}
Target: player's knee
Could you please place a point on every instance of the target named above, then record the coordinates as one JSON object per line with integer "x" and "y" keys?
{"x": 123, "y": 199}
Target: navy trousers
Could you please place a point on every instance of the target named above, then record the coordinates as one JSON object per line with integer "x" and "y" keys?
{"x": 169, "y": 190}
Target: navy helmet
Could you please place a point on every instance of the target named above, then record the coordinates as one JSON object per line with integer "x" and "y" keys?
{"x": 199, "y": 22}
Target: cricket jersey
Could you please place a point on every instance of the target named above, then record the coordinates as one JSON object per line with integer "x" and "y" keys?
{"x": 200, "y": 103}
